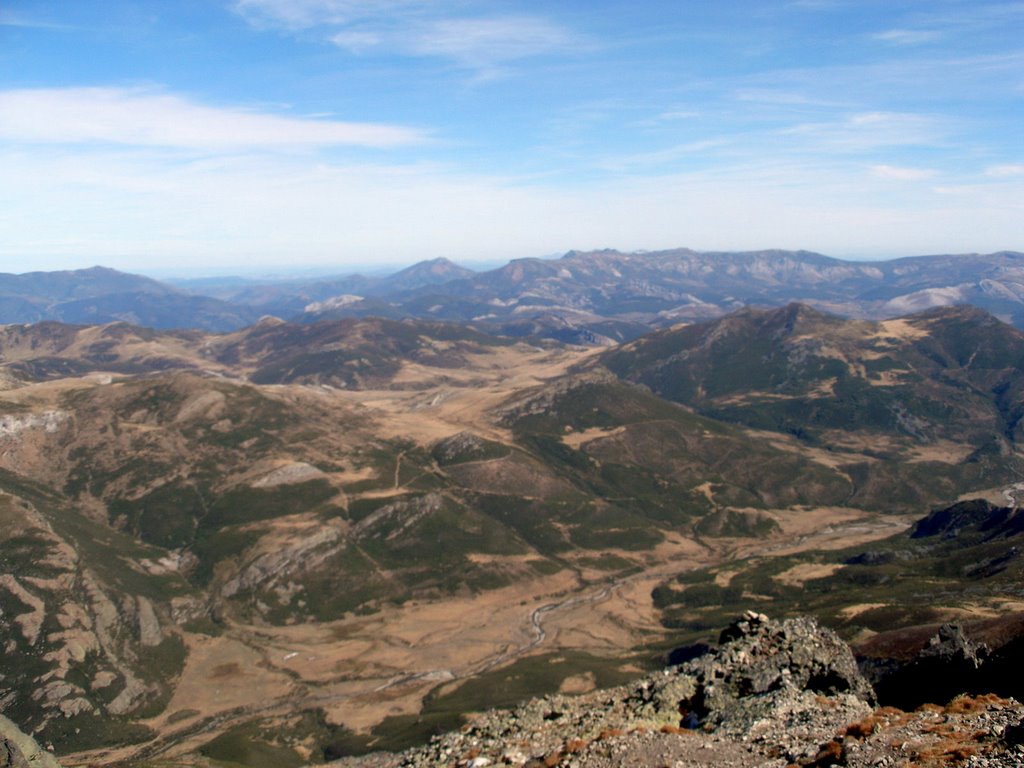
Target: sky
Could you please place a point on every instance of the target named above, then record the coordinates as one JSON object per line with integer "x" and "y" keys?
{"x": 218, "y": 136}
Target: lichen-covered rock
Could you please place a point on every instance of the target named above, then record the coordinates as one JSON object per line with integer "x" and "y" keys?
{"x": 773, "y": 694}
{"x": 782, "y": 687}
{"x": 759, "y": 657}
{"x": 18, "y": 750}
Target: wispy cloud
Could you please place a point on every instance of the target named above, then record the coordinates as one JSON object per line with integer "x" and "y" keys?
{"x": 269, "y": 207}
{"x": 11, "y": 19}
{"x": 951, "y": 20}
{"x": 1005, "y": 171}
{"x": 870, "y": 130}
{"x": 139, "y": 117}
{"x": 816, "y": 5}
{"x": 483, "y": 42}
{"x": 416, "y": 28}
{"x": 777, "y": 96}
{"x": 897, "y": 173}
{"x": 303, "y": 14}
{"x": 667, "y": 118}
{"x": 908, "y": 36}
{"x": 663, "y": 159}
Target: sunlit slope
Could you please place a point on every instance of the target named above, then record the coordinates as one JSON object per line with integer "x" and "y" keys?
{"x": 230, "y": 488}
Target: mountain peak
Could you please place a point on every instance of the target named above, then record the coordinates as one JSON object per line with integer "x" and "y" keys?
{"x": 427, "y": 273}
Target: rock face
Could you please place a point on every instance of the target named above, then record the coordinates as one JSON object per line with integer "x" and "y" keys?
{"x": 949, "y": 665}
{"x": 20, "y": 751}
{"x": 955, "y": 660}
{"x": 783, "y": 694}
{"x": 784, "y": 686}
{"x": 764, "y": 667}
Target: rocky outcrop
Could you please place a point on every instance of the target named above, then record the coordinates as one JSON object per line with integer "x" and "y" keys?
{"x": 773, "y": 693}
{"x": 71, "y": 641}
{"x": 782, "y": 686}
{"x": 48, "y": 421}
{"x": 977, "y": 517}
{"x": 17, "y": 750}
{"x": 763, "y": 668}
{"x": 919, "y": 665}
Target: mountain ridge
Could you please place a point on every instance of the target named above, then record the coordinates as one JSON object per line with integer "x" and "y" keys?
{"x": 594, "y": 297}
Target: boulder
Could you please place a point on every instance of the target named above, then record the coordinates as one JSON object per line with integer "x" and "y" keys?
{"x": 764, "y": 669}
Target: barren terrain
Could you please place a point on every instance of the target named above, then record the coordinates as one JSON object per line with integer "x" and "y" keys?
{"x": 363, "y": 669}
{"x": 375, "y": 521}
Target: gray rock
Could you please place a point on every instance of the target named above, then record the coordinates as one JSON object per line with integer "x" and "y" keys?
{"x": 785, "y": 686}
{"x": 18, "y": 750}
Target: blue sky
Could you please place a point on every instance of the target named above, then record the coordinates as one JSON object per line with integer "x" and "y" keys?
{"x": 213, "y": 136}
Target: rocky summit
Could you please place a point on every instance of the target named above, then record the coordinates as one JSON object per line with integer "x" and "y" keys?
{"x": 773, "y": 693}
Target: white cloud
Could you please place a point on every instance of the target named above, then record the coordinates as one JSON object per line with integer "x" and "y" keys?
{"x": 358, "y": 41}
{"x": 677, "y": 114}
{"x": 870, "y": 130}
{"x": 786, "y": 98}
{"x": 9, "y": 19}
{"x": 148, "y": 118}
{"x": 415, "y": 28}
{"x": 303, "y": 14}
{"x": 483, "y": 42}
{"x": 474, "y": 43}
{"x": 897, "y": 173}
{"x": 908, "y": 36}
{"x": 1004, "y": 171}
{"x": 816, "y": 5}
{"x": 662, "y": 159}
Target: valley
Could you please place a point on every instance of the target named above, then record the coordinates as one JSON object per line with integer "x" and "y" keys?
{"x": 362, "y": 671}
{"x": 329, "y": 538}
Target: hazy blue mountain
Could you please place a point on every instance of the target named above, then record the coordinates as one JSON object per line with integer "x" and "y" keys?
{"x": 595, "y": 297}
{"x": 583, "y": 289}
{"x": 99, "y": 295}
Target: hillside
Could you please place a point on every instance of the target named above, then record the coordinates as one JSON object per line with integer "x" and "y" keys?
{"x": 896, "y": 415}
{"x": 363, "y": 519}
{"x": 945, "y": 377}
{"x": 958, "y": 563}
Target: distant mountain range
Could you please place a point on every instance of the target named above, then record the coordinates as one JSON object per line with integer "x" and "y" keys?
{"x": 100, "y": 295}
{"x": 596, "y": 297}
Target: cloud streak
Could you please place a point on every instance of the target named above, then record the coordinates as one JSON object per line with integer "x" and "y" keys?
{"x": 8, "y": 19}
{"x": 484, "y": 42}
{"x": 897, "y": 173}
{"x": 868, "y": 131}
{"x": 1005, "y": 171}
{"x": 908, "y": 36}
{"x": 415, "y": 28}
{"x": 304, "y": 14}
{"x": 139, "y": 117}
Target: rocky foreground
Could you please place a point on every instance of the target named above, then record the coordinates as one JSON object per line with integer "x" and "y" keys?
{"x": 774, "y": 693}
